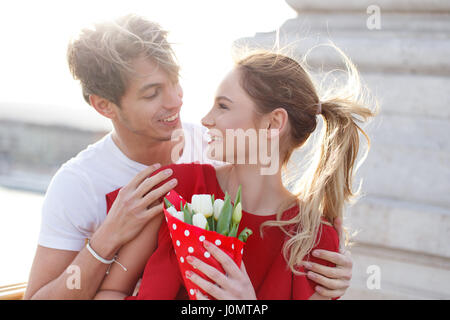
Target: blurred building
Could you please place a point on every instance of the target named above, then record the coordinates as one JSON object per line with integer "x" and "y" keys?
{"x": 402, "y": 50}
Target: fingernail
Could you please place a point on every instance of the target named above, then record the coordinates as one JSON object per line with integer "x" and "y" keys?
{"x": 316, "y": 253}
{"x": 189, "y": 259}
{"x": 157, "y": 165}
{"x": 207, "y": 244}
{"x": 306, "y": 264}
{"x": 168, "y": 171}
{"x": 188, "y": 274}
{"x": 173, "y": 182}
{"x": 311, "y": 275}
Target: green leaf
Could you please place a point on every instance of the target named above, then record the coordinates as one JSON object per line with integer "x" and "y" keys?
{"x": 187, "y": 214}
{"x": 243, "y": 236}
{"x": 233, "y": 230}
{"x": 238, "y": 196}
{"x": 211, "y": 223}
{"x": 167, "y": 203}
{"x": 223, "y": 224}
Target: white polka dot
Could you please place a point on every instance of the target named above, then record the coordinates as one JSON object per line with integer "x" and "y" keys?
{"x": 182, "y": 259}
{"x": 186, "y": 233}
{"x": 218, "y": 242}
{"x": 168, "y": 193}
{"x": 178, "y": 243}
{"x": 232, "y": 246}
{"x": 207, "y": 254}
{"x": 192, "y": 291}
{"x": 201, "y": 238}
{"x": 190, "y": 249}
{"x": 242, "y": 251}
{"x": 174, "y": 226}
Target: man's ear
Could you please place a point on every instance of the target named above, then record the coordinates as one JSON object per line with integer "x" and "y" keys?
{"x": 278, "y": 120}
{"x": 103, "y": 106}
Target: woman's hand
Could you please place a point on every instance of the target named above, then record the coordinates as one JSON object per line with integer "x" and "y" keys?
{"x": 235, "y": 285}
{"x": 332, "y": 282}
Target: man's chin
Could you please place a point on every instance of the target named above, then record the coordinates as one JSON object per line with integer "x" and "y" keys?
{"x": 166, "y": 133}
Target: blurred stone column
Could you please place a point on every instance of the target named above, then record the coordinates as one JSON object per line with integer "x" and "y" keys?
{"x": 402, "y": 50}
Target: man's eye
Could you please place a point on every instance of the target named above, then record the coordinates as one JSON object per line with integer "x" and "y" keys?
{"x": 153, "y": 95}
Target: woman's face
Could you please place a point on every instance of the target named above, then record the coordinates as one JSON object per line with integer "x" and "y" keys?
{"x": 233, "y": 123}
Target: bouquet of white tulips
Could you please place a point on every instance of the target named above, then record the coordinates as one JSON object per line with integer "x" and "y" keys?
{"x": 205, "y": 218}
{"x": 212, "y": 214}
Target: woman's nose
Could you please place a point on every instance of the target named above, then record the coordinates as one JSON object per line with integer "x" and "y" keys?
{"x": 207, "y": 120}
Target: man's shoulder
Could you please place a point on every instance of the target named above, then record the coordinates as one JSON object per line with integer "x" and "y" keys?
{"x": 75, "y": 173}
{"x": 91, "y": 152}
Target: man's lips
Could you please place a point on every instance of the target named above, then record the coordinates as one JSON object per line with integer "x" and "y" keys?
{"x": 171, "y": 118}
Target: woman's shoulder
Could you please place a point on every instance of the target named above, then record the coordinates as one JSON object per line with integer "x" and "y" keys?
{"x": 187, "y": 169}
{"x": 192, "y": 178}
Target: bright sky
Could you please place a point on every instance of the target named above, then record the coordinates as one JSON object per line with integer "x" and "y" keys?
{"x": 34, "y": 35}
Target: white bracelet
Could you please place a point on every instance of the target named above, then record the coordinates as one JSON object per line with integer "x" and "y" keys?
{"x": 103, "y": 260}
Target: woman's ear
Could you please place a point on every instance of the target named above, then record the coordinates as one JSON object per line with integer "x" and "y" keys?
{"x": 277, "y": 121}
{"x": 103, "y": 106}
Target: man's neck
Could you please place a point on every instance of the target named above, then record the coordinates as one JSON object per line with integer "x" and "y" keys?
{"x": 144, "y": 150}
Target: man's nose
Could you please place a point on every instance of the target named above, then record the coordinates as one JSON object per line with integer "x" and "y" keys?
{"x": 174, "y": 97}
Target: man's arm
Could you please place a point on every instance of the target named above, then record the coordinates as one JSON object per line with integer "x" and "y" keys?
{"x": 63, "y": 274}
{"x": 134, "y": 256}
{"x": 55, "y": 273}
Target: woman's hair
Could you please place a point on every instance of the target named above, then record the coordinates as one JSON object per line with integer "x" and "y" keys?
{"x": 101, "y": 57}
{"x": 275, "y": 80}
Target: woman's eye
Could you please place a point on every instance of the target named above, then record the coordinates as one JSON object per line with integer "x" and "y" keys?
{"x": 222, "y": 106}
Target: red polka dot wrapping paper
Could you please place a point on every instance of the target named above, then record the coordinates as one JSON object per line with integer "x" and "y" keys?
{"x": 188, "y": 241}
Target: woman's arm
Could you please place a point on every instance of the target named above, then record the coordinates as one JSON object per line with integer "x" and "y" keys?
{"x": 332, "y": 282}
{"x": 134, "y": 255}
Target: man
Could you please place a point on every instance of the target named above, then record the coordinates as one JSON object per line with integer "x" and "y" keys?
{"x": 128, "y": 74}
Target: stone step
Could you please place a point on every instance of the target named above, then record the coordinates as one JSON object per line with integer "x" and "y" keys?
{"x": 397, "y": 224}
{"x": 403, "y": 275}
{"x": 405, "y": 6}
{"x": 418, "y": 44}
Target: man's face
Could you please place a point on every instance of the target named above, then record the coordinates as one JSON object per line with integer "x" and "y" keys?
{"x": 151, "y": 104}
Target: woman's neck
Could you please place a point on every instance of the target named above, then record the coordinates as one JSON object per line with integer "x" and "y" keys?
{"x": 261, "y": 194}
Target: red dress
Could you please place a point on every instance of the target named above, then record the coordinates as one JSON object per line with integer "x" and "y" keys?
{"x": 263, "y": 257}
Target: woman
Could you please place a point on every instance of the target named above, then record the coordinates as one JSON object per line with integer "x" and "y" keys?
{"x": 273, "y": 96}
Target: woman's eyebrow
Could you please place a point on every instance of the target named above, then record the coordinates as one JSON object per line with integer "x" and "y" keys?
{"x": 225, "y": 98}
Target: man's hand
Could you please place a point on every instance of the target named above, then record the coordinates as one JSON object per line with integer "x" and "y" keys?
{"x": 332, "y": 282}
{"x": 135, "y": 205}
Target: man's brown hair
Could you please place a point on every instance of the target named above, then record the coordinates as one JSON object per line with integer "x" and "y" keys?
{"x": 100, "y": 57}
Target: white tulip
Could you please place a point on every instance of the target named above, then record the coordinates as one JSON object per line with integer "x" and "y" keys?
{"x": 201, "y": 203}
{"x": 218, "y": 204}
{"x": 199, "y": 220}
{"x": 177, "y": 214}
{"x": 172, "y": 210}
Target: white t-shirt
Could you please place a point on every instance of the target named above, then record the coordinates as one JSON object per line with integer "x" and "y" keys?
{"x": 75, "y": 205}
